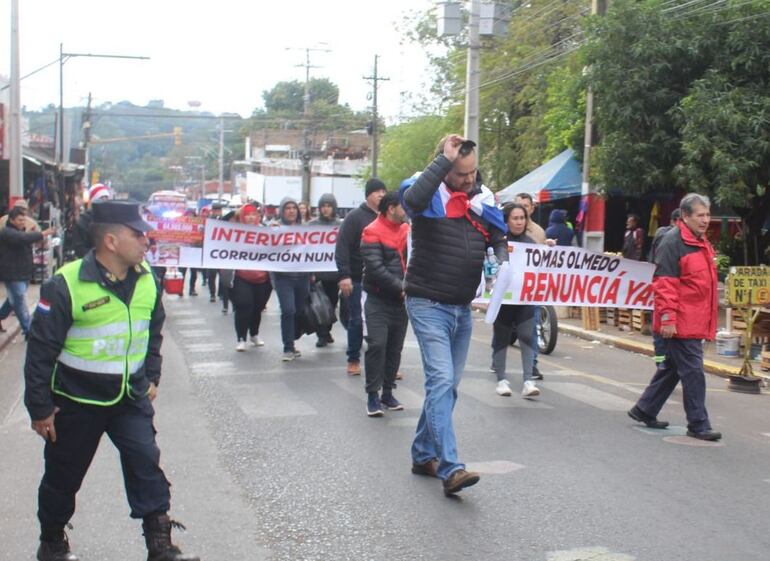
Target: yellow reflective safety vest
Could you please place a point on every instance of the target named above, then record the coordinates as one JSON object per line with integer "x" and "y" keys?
{"x": 107, "y": 341}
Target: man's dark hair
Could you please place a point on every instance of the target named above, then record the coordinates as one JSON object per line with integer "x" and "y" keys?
{"x": 636, "y": 218}
{"x": 98, "y": 230}
{"x": 676, "y": 215}
{"x": 466, "y": 147}
{"x": 525, "y": 196}
{"x": 15, "y": 212}
{"x": 390, "y": 199}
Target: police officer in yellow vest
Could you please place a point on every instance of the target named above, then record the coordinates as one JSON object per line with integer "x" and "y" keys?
{"x": 93, "y": 367}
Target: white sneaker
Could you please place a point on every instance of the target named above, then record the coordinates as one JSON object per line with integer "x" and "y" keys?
{"x": 503, "y": 388}
{"x": 530, "y": 389}
{"x": 241, "y": 346}
{"x": 257, "y": 342}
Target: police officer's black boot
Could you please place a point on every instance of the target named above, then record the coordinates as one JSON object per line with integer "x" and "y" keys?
{"x": 157, "y": 534}
{"x": 54, "y": 546}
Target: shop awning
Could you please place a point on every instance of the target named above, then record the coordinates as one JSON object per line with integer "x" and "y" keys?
{"x": 558, "y": 178}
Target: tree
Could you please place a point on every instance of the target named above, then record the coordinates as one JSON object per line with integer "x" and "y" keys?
{"x": 409, "y": 147}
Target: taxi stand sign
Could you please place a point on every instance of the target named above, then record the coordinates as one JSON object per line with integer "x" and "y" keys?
{"x": 747, "y": 288}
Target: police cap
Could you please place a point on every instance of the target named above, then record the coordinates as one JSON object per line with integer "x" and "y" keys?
{"x": 126, "y": 212}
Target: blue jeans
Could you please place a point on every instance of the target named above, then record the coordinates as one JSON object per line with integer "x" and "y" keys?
{"x": 443, "y": 332}
{"x": 16, "y": 300}
{"x": 292, "y": 291}
{"x": 355, "y": 324}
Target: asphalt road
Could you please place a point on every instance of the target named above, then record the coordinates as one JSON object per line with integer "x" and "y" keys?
{"x": 279, "y": 461}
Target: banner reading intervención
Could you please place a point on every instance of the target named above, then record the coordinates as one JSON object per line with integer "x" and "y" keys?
{"x": 308, "y": 249}
{"x": 571, "y": 276}
{"x": 175, "y": 241}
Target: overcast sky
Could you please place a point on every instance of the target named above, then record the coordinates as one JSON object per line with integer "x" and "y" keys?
{"x": 223, "y": 53}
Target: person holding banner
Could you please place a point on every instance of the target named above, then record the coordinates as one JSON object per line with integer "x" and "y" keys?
{"x": 685, "y": 313}
{"x": 250, "y": 291}
{"x": 292, "y": 288}
{"x": 522, "y": 318}
{"x": 454, "y": 221}
{"x": 327, "y": 215}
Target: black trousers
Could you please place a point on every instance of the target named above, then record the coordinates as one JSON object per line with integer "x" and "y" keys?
{"x": 683, "y": 362}
{"x": 249, "y": 300}
{"x": 386, "y": 323}
{"x": 78, "y": 431}
{"x": 212, "y": 280}
{"x": 333, "y": 292}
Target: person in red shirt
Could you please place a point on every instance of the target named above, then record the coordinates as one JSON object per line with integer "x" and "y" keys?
{"x": 383, "y": 248}
{"x": 250, "y": 291}
{"x": 685, "y": 314}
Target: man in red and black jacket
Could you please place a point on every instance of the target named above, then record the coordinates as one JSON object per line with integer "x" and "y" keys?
{"x": 685, "y": 313}
{"x": 383, "y": 248}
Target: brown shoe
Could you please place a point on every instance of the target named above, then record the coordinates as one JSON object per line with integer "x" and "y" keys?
{"x": 399, "y": 376}
{"x": 354, "y": 368}
{"x": 459, "y": 480}
{"x": 429, "y": 468}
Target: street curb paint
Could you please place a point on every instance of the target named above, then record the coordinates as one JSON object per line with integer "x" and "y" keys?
{"x": 710, "y": 366}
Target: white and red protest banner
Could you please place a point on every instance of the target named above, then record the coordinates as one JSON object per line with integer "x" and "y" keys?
{"x": 571, "y": 276}
{"x": 287, "y": 249}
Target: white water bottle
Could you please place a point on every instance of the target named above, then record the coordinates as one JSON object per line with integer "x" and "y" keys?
{"x": 491, "y": 266}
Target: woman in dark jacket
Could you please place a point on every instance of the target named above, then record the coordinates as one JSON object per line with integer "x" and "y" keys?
{"x": 16, "y": 265}
{"x": 522, "y": 318}
{"x": 327, "y": 215}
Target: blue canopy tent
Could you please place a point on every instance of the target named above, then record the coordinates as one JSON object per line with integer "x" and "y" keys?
{"x": 558, "y": 178}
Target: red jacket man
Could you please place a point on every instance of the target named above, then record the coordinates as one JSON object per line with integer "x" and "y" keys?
{"x": 685, "y": 313}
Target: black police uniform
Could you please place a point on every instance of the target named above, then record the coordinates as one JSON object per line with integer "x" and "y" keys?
{"x": 79, "y": 426}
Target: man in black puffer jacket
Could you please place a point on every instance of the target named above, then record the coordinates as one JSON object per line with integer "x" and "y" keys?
{"x": 454, "y": 221}
{"x": 383, "y": 247}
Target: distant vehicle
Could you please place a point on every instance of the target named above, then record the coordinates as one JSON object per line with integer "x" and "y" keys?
{"x": 167, "y": 204}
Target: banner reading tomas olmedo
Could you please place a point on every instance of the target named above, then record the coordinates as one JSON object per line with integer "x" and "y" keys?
{"x": 570, "y": 276}
{"x": 284, "y": 249}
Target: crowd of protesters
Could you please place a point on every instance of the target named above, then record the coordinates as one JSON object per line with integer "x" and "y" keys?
{"x": 454, "y": 223}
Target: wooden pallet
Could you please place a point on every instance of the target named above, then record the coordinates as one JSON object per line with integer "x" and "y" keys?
{"x": 624, "y": 318}
{"x": 764, "y": 359}
{"x": 640, "y": 321}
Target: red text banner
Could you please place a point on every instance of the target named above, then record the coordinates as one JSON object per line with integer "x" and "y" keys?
{"x": 571, "y": 276}
{"x": 285, "y": 249}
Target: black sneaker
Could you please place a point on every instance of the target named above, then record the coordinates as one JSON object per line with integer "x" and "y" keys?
{"x": 391, "y": 403}
{"x": 536, "y": 375}
{"x": 321, "y": 342}
{"x": 373, "y": 405}
{"x": 638, "y": 415}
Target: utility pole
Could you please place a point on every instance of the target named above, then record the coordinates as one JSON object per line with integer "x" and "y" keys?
{"x": 593, "y": 220}
{"x": 87, "y": 140}
{"x": 16, "y": 164}
{"x": 307, "y": 155}
{"x": 375, "y": 117}
{"x": 221, "y": 189}
{"x": 472, "y": 78}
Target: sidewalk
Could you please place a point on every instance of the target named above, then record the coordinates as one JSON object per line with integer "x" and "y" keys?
{"x": 636, "y": 342}
{"x": 11, "y": 324}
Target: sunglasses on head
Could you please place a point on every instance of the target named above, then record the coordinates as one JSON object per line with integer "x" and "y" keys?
{"x": 467, "y": 147}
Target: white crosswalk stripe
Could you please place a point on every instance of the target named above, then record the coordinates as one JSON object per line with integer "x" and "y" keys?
{"x": 269, "y": 400}
{"x": 590, "y": 396}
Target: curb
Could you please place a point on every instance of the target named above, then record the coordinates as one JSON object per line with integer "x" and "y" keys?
{"x": 710, "y": 366}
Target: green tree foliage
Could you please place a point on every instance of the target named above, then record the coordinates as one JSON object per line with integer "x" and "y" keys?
{"x": 531, "y": 90}
{"x": 683, "y": 102}
{"x": 409, "y": 147}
